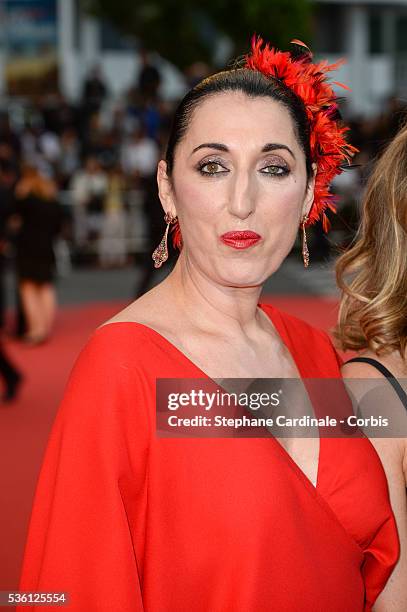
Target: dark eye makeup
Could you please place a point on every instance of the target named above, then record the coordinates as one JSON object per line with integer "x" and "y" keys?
{"x": 213, "y": 163}
{"x": 215, "y": 166}
{"x": 276, "y": 170}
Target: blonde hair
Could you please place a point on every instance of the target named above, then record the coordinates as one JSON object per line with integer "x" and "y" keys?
{"x": 33, "y": 182}
{"x": 372, "y": 274}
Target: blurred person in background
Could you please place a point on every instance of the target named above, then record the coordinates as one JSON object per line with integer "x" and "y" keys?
{"x": 11, "y": 375}
{"x": 112, "y": 242}
{"x": 8, "y": 176}
{"x": 11, "y": 146}
{"x": 372, "y": 275}
{"x": 94, "y": 94}
{"x": 109, "y": 147}
{"x": 41, "y": 147}
{"x": 49, "y": 145}
{"x": 57, "y": 113}
{"x": 149, "y": 77}
{"x": 139, "y": 158}
{"x": 40, "y": 221}
{"x": 8, "y": 179}
{"x": 92, "y": 136}
{"x": 139, "y": 154}
{"x": 69, "y": 161}
{"x": 143, "y": 98}
{"x": 29, "y": 138}
{"x": 88, "y": 188}
{"x": 95, "y": 90}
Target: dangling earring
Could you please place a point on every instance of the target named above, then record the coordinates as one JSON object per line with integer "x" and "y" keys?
{"x": 161, "y": 252}
{"x": 305, "y": 251}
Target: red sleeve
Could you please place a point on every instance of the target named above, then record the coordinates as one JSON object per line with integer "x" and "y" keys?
{"x": 380, "y": 557}
{"x": 81, "y": 539}
{"x": 338, "y": 357}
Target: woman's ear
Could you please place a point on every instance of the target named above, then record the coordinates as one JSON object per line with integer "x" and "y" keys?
{"x": 309, "y": 194}
{"x": 165, "y": 190}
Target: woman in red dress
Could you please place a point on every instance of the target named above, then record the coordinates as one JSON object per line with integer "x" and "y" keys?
{"x": 127, "y": 521}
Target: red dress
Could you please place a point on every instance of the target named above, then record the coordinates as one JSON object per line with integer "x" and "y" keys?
{"x": 124, "y": 521}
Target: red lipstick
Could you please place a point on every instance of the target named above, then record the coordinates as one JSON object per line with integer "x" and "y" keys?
{"x": 240, "y": 240}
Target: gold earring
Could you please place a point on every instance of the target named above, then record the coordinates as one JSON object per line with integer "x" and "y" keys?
{"x": 160, "y": 254}
{"x": 305, "y": 251}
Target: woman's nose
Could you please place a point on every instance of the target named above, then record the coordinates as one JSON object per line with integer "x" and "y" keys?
{"x": 241, "y": 196}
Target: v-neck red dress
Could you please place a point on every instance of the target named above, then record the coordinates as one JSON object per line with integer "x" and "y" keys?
{"x": 124, "y": 521}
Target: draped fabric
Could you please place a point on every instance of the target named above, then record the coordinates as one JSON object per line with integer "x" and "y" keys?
{"x": 124, "y": 521}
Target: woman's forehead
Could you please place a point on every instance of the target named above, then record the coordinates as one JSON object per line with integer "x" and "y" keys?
{"x": 236, "y": 117}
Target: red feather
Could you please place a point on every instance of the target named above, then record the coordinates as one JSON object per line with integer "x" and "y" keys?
{"x": 176, "y": 235}
{"x": 342, "y": 85}
{"x": 295, "y": 41}
{"x": 329, "y": 148}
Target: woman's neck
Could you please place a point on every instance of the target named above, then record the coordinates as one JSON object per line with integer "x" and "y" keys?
{"x": 210, "y": 306}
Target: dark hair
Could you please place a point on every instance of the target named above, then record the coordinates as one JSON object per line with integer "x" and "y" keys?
{"x": 254, "y": 84}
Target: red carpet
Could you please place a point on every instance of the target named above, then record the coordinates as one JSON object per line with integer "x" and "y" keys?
{"x": 25, "y": 424}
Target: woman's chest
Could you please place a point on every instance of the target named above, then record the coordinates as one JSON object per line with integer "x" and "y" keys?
{"x": 217, "y": 501}
{"x": 228, "y": 480}
{"x": 230, "y": 359}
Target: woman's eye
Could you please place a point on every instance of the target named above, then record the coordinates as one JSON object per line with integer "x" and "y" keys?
{"x": 211, "y": 168}
{"x": 275, "y": 170}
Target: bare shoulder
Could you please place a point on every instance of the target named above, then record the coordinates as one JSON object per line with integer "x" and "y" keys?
{"x": 147, "y": 309}
{"x": 373, "y": 391}
{"x": 358, "y": 370}
{"x": 392, "y": 361}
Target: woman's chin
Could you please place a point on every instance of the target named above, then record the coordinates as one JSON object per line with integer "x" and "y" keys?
{"x": 238, "y": 278}
{"x": 244, "y": 273}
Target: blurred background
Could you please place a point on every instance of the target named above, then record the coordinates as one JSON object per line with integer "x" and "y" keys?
{"x": 87, "y": 93}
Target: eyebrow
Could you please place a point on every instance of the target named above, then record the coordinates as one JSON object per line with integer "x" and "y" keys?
{"x": 270, "y": 146}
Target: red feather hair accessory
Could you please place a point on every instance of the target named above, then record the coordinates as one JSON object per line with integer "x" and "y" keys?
{"x": 329, "y": 149}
